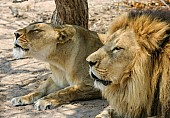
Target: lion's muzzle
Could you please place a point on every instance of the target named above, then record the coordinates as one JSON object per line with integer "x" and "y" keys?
{"x": 104, "y": 82}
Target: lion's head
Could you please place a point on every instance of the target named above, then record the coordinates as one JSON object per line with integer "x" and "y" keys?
{"x": 134, "y": 64}
{"x": 37, "y": 39}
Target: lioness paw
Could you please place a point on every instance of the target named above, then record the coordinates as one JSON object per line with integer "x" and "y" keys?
{"x": 44, "y": 104}
{"x": 19, "y": 101}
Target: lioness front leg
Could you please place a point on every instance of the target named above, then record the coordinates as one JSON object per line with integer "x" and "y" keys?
{"x": 47, "y": 87}
{"x": 72, "y": 93}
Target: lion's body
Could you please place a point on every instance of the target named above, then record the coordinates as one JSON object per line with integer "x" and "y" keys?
{"x": 135, "y": 64}
{"x": 65, "y": 48}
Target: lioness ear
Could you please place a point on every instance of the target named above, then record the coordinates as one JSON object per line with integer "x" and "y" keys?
{"x": 66, "y": 34}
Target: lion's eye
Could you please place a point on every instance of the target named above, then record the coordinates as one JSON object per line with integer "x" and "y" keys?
{"x": 116, "y": 49}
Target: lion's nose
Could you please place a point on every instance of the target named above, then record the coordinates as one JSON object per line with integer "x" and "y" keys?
{"x": 91, "y": 63}
{"x": 17, "y": 34}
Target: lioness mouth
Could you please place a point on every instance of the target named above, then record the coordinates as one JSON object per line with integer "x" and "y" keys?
{"x": 104, "y": 82}
{"x": 18, "y": 46}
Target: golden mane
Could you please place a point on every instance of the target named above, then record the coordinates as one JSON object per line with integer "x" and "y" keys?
{"x": 147, "y": 25}
{"x": 149, "y": 72}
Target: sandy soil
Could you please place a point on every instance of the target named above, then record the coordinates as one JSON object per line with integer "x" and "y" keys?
{"x": 19, "y": 77}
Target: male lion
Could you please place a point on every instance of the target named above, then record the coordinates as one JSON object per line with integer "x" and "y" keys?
{"x": 65, "y": 48}
{"x": 132, "y": 69}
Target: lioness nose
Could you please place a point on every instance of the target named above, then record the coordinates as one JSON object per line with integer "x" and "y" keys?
{"x": 92, "y": 63}
{"x": 17, "y": 34}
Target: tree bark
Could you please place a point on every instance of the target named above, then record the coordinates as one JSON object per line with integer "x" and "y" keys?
{"x": 74, "y": 12}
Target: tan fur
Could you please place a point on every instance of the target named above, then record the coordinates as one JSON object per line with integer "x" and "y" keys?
{"x": 65, "y": 48}
{"x": 136, "y": 59}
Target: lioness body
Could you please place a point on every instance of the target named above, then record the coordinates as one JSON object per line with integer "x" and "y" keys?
{"x": 132, "y": 69}
{"x": 65, "y": 48}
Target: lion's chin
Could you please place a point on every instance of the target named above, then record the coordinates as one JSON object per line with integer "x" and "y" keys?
{"x": 18, "y": 53}
{"x": 99, "y": 85}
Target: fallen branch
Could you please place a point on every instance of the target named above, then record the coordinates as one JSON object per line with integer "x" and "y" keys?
{"x": 165, "y": 3}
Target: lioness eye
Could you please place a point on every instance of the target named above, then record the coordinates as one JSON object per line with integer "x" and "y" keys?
{"x": 36, "y": 30}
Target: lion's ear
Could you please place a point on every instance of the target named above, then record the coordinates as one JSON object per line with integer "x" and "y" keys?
{"x": 66, "y": 33}
{"x": 165, "y": 40}
{"x": 103, "y": 37}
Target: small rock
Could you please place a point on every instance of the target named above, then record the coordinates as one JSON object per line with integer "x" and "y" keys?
{"x": 14, "y": 11}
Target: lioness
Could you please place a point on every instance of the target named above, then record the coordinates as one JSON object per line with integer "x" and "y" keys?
{"x": 65, "y": 48}
{"x": 132, "y": 69}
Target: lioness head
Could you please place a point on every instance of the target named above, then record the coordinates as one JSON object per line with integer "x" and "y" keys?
{"x": 37, "y": 39}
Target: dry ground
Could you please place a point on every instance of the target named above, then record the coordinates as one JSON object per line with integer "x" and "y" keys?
{"x": 18, "y": 77}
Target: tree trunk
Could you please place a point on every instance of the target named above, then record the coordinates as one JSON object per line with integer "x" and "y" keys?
{"x": 74, "y": 12}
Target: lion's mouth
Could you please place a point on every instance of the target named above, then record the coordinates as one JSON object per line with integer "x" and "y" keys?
{"x": 18, "y": 46}
{"x": 104, "y": 82}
